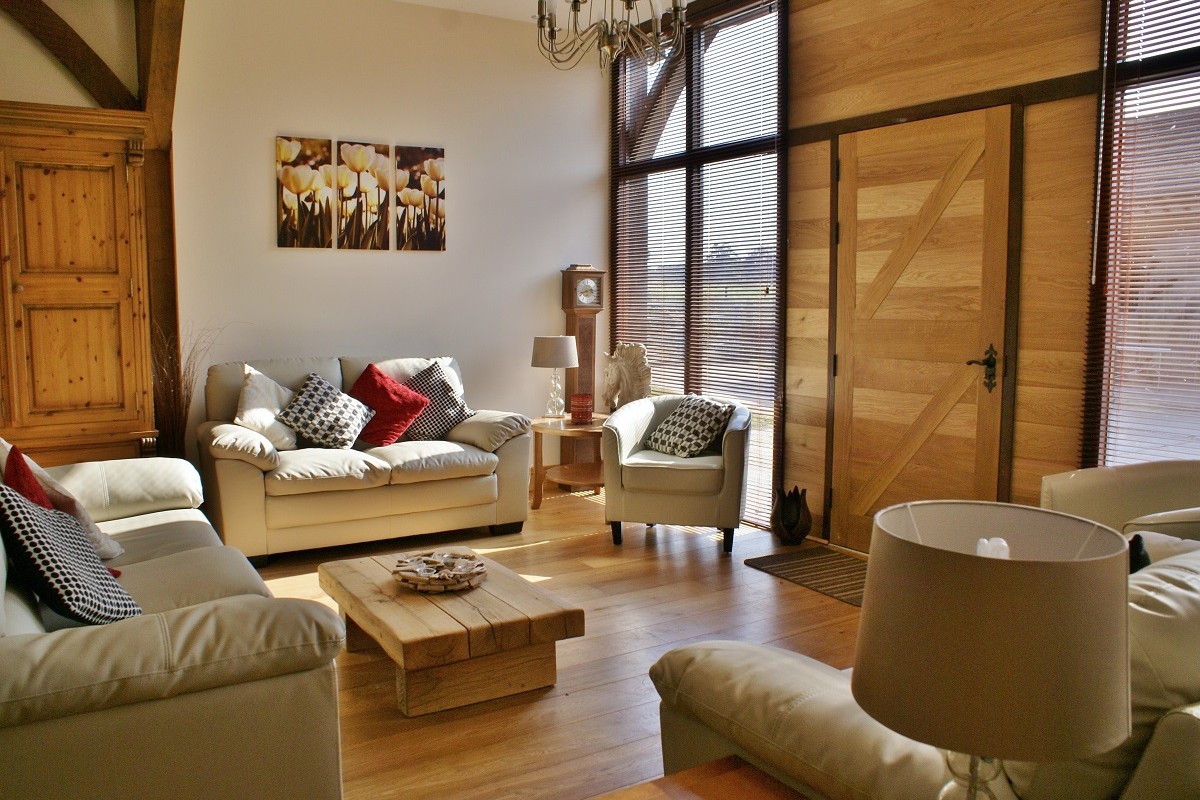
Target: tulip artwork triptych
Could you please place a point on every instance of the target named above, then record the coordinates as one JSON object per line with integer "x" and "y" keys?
{"x": 344, "y": 197}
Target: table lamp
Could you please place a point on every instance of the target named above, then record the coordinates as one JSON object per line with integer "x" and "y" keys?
{"x": 1018, "y": 655}
{"x": 555, "y": 352}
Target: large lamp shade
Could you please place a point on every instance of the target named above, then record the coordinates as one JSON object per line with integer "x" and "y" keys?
{"x": 1021, "y": 658}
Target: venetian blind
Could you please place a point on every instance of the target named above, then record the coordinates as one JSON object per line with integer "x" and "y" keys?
{"x": 696, "y": 221}
{"x": 1148, "y": 369}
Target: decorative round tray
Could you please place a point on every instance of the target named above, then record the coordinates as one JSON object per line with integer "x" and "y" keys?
{"x": 434, "y": 571}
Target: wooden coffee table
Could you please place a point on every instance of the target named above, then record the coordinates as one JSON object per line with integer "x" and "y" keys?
{"x": 453, "y": 648}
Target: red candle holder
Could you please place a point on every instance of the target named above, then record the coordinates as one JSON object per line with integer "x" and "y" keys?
{"x": 581, "y": 408}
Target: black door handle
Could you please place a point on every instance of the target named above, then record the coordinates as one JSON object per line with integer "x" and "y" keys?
{"x": 988, "y": 362}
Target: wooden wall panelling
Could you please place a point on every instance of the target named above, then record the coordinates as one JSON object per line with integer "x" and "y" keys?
{"x": 806, "y": 370}
{"x": 849, "y": 58}
{"x": 1060, "y": 157}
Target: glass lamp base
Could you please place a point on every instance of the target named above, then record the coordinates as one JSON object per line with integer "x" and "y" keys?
{"x": 556, "y": 406}
{"x": 970, "y": 776}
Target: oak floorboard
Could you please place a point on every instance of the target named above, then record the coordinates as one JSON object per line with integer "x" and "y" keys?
{"x": 596, "y": 729}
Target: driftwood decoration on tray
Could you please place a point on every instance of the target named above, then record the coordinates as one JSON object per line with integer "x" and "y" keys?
{"x": 433, "y": 571}
{"x": 626, "y": 375}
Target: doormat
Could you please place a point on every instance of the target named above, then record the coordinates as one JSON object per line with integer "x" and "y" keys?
{"x": 829, "y": 572}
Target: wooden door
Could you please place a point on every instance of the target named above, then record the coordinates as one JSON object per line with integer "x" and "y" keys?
{"x": 77, "y": 379}
{"x": 921, "y": 274}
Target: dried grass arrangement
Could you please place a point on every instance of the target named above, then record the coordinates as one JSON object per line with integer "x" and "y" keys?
{"x": 176, "y": 363}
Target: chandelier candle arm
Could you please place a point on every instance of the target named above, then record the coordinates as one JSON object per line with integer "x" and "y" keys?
{"x": 620, "y": 30}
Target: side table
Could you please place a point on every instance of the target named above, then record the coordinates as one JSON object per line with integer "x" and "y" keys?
{"x": 573, "y": 475}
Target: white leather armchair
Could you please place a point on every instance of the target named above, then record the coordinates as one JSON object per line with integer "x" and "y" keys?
{"x": 642, "y": 485}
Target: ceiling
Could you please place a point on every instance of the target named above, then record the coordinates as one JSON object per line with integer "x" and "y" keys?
{"x": 522, "y": 10}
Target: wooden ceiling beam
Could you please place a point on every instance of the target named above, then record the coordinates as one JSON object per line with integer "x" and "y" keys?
{"x": 159, "y": 31}
{"x": 76, "y": 55}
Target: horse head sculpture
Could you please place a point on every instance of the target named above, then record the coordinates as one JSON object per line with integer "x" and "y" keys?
{"x": 626, "y": 375}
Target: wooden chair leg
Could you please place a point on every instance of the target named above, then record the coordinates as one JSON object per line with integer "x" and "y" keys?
{"x": 728, "y": 539}
{"x": 616, "y": 530}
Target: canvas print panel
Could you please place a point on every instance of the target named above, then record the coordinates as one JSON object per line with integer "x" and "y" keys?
{"x": 364, "y": 188}
{"x": 420, "y": 198}
{"x": 303, "y": 197}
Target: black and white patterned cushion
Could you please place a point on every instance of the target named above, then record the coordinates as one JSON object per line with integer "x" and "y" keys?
{"x": 445, "y": 410}
{"x": 52, "y": 555}
{"x": 325, "y": 415}
{"x": 691, "y": 427}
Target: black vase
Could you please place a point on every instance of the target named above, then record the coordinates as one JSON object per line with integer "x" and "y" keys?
{"x": 790, "y": 518}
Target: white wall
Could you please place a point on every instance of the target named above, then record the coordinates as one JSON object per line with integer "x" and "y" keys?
{"x": 527, "y": 184}
{"x": 30, "y": 74}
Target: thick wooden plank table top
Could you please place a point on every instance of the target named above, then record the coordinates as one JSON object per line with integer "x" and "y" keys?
{"x": 506, "y": 627}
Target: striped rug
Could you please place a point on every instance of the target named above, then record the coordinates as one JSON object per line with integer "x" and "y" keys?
{"x": 829, "y": 572}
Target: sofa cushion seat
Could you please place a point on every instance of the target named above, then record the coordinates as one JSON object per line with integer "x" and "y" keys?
{"x": 434, "y": 460}
{"x": 190, "y": 577}
{"x": 316, "y": 469}
{"x": 150, "y": 536}
{"x": 651, "y": 471}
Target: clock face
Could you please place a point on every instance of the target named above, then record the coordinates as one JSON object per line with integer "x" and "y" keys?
{"x": 587, "y": 292}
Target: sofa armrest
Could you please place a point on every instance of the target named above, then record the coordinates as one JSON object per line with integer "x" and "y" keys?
{"x": 1183, "y": 523}
{"x": 227, "y": 641}
{"x": 126, "y": 487}
{"x": 796, "y": 718}
{"x": 488, "y": 430}
{"x": 1169, "y": 767}
{"x": 226, "y": 440}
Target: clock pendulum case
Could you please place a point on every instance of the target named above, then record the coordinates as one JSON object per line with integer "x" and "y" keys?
{"x": 582, "y": 301}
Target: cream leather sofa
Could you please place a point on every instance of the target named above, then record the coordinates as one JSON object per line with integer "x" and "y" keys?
{"x": 795, "y": 717}
{"x": 1160, "y": 496}
{"x": 217, "y": 690}
{"x": 263, "y": 501}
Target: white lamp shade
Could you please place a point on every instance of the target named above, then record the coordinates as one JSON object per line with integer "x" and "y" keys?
{"x": 555, "y": 351}
{"x": 1023, "y": 658}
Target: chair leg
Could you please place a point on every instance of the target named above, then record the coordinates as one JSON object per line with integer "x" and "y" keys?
{"x": 616, "y": 530}
{"x": 728, "y": 539}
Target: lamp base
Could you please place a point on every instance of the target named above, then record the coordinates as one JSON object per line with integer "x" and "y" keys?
{"x": 555, "y": 405}
{"x": 970, "y": 777}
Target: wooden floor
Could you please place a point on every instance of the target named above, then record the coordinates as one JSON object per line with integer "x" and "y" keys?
{"x": 596, "y": 730}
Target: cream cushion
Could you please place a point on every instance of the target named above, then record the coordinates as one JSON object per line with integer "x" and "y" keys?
{"x": 259, "y": 404}
{"x": 318, "y": 469}
{"x": 652, "y": 471}
{"x": 434, "y": 459}
{"x": 1164, "y": 666}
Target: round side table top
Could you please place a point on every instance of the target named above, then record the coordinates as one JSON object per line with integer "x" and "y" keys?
{"x": 562, "y": 426}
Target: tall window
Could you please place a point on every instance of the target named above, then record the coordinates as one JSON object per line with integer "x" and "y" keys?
{"x": 1146, "y": 383}
{"x": 696, "y": 267}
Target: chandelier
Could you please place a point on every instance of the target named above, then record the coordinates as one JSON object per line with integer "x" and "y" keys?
{"x": 620, "y": 29}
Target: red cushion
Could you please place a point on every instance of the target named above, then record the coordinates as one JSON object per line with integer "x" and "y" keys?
{"x": 18, "y": 475}
{"x": 395, "y": 405}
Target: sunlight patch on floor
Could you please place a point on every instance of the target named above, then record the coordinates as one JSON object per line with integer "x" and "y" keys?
{"x": 304, "y": 587}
